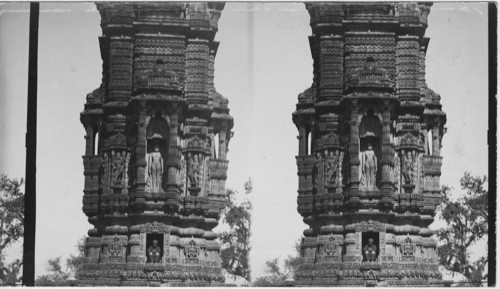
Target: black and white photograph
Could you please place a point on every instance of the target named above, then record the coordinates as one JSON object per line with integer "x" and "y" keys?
{"x": 252, "y": 144}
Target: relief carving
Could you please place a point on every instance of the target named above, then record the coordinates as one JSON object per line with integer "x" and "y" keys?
{"x": 408, "y": 167}
{"x": 194, "y": 171}
{"x": 332, "y": 168}
{"x": 369, "y": 166}
{"x": 191, "y": 252}
{"x": 155, "y": 168}
{"x": 115, "y": 248}
{"x": 396, "y": 172}
{"x": 118, "y": 168}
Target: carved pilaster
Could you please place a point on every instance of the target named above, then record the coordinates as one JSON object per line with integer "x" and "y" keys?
{"x": 387, "y": 150}
{"x": 436, "y": 141}
{"x": 174, "y": 151}
{"x": 354, "y": 148}
{"x": 140, "y": 150}
{"x": 302, "y": 141}
{"x": 222, "y": 145}
{"x": 89, "y": 141}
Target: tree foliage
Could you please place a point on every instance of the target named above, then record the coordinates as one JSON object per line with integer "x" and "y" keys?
{"x": 11, "y": 226}
{"x": 235, "y": 243}
{"x": 279, "y": 274}
{"x": 467, "y": 219}
{"x": 59, "y": 276}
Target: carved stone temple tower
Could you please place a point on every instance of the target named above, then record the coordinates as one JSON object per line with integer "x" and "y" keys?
{"x": 369, "y": 159}
{"x": 156, "y": 141}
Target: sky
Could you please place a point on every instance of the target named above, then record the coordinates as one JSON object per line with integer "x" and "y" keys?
{"x": 263, "y": 63}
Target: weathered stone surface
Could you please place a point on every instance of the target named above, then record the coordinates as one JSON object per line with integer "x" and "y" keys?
{"x": 154, "y": 184}
{"x": 367, "y": 168}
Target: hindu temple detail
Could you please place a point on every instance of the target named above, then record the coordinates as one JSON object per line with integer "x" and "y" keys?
{"x": 369, "y": 159}
{"x": 156, "y": 141}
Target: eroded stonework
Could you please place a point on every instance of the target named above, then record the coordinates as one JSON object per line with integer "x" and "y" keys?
{"x": 156, "y": 142}
{"x": 369, "y": 161}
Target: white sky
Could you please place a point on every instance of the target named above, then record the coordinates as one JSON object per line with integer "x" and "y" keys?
{"x": 263, "y": 63}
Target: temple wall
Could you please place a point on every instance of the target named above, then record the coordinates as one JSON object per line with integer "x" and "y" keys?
{"x": 369, "y": 185}
{"x": 154, "y": 188}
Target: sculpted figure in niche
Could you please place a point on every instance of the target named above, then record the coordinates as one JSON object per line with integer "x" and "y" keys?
{"x": 194, "y": 168}
{"x": 370, "y": 251}
{"x": 118, "y": 167}
{"x": 332, "y": 167}
{"x": 114, "y": 250}
{"x": 369, "y": 166}
{"x": 155, "y": 169}
{"x": 408, "y": 248}
{"x": 154, "y": 252}
{"x": 408, "y": 168}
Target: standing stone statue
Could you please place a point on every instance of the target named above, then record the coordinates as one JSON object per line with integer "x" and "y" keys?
{"x": 194, "y": 169}
{"x": 408, "y": 168}
{"x": 332, "y": 167}
{"x": 370, "y": 251}
{"x": 155, "y": 169}
{"x": 369, "y": 166}
{"x": 154, "y": 252}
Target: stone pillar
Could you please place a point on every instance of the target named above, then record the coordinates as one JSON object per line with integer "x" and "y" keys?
{"x": 141, "y": 148}
{"x": 354, "y": 147}
{"x": 436, "y": 145}
{"x": 222, "y": 144}
{"x": 173, "y": 162}
{"x": 302, "y": 141}
{"x": 89, "y": 141}
{"x": 387, "y": 151}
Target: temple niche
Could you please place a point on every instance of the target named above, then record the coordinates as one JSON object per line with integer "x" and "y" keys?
{"x": 157, "y": 135}
{"x": 370, "y": 132}
{"x": 369, "y": 163}
{"x": 154, "y": 186}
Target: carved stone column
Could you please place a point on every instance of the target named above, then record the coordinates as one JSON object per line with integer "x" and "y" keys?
{"x": 89, "y": 141}
{"x": 354, "y": 147}
{"x": 173, "y": 162}
{"x": 140, "y": 149}
{"x": 222, "y": 144}
{"x": 436, "y": 145}
{"x": 387, "y": 151}
{"x": 302, "y": 141}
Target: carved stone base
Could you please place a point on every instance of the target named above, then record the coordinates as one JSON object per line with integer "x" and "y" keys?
{"x": 194, "y": 192}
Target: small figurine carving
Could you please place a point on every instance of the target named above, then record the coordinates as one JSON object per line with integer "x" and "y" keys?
{"x": 330, "y": 247}
{"x": 408, "y": 248}
{"x": 154, "y": 252}
{"x": 369, "y": 166}
{"x": 115, "y": 248}
{"x": 191, "y": 251}
{"x": 118, "y": 165}
{"x": 155, "y": 169}
{"x": 194, "y": 170}
{"x": 408, "y": 168}
{"x": 370, "y": 251}
{"x": 332, "y": 168}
